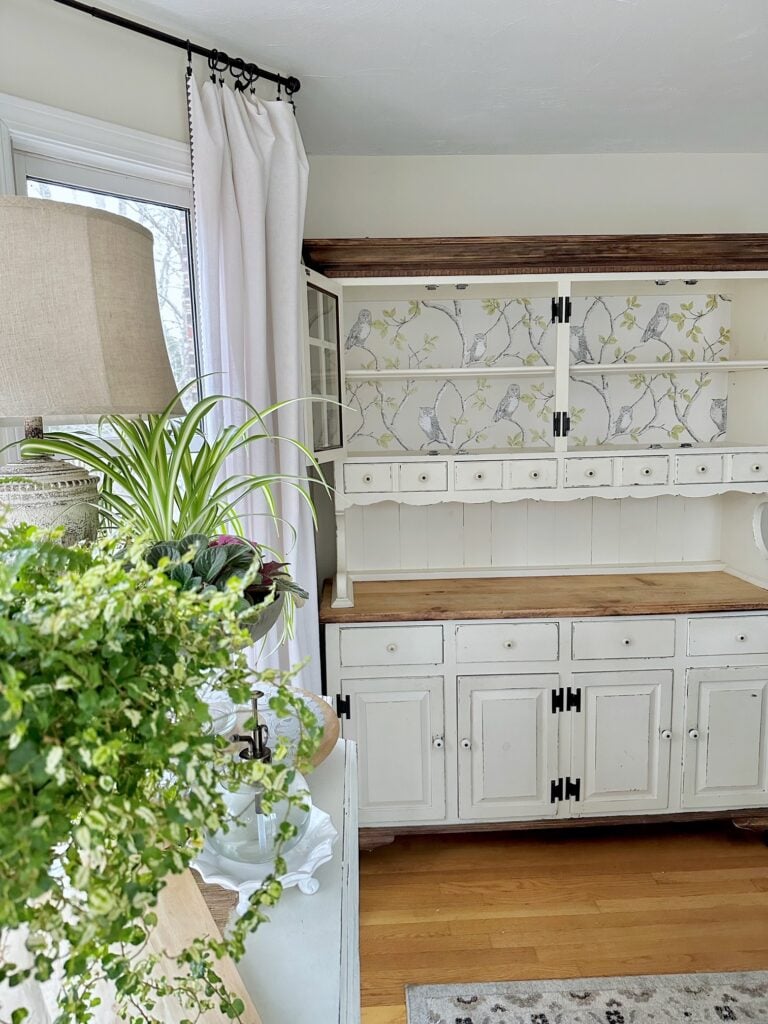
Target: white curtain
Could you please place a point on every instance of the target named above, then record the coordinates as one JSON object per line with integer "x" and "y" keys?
{"x": 250, "y": 176}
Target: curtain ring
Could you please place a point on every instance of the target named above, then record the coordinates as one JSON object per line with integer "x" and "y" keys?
{"x": 212, "y": 65}
{"x": 279, "y": 91}
{"x": 189, "y": 59}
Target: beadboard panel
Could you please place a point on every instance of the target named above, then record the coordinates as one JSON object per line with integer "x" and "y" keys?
{"x": 534, "y": 534}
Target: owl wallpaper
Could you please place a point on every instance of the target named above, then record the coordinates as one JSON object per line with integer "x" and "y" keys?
{"x": 485, "y": 412}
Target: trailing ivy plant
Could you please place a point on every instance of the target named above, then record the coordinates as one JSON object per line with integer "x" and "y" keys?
{"x": 109, "y": 780}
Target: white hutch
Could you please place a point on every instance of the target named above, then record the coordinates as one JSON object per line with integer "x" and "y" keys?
{"x": 551, "y": 475}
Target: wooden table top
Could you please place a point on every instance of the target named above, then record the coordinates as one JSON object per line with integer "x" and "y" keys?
{"x": 529, "y": 597}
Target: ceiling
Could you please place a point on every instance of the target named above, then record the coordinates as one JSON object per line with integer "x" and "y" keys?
{"x": 502, "y": 76}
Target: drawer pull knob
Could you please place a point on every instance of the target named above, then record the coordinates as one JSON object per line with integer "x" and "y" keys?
{"x": 438, "y": 742}
{"x": 647, "y": 470}
{"x": 466, "y": 745}
{"x": 703, "y": 469}
{"x": 741, "y": 637}
{"x": 534, "y": 474}
{"x": 590, "y": 472}
{"x": 479, "y": 476}
{"x": 391, "y": 648}
{"x": 627, "y": 641}
{"x": 423, "y": 477}
{"x": 509, "y": 644}
{"x": 666, "y": 734}
{"x": 367, "y": 478}
{"x": 693, "y": 733}
{"x": 756, "y": 467}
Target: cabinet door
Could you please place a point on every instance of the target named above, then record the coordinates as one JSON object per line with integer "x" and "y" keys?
{"x": 324, "y": 372}
{"x": 399, "y": 727}
{"x": 508, "y": 746}
{"x": 622, "y": 741}
{"x": 725, "y": 762}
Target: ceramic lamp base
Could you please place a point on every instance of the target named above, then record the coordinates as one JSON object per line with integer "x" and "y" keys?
{"x": 50, "y": 493}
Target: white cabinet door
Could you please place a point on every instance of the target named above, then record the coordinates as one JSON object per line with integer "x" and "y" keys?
{"x": 622, "y": 741}
{"x": 508, "y": 746}
{"x": 726, "y": 745}
{"x": 399, "y": 727}
{"x": 323, "y": 367}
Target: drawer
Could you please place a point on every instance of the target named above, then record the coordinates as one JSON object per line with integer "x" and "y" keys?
{"x": 513, "y": 641}
{"x": 728, "y": 634}
{"x": 623, "y": 638}
{"x": 525, "y": 473}
{"x": 360, "y": 477}
{"x": 699, "y": 469}
{"x": 423, "y": 476}
{"x": 391, "y": 645}
{"x": 588, "y": 472}
{"x": 478, "y": 476}
{"x": 651, "y": 470}
{"x": 748, "y": 466}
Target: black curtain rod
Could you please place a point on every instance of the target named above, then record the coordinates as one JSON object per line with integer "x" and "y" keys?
{"x": 220, "y": 60}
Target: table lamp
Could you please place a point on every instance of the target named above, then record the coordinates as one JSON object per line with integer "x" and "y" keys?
{"x": 80, "y": 336}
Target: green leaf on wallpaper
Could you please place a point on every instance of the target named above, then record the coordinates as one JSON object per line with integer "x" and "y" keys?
{"x": 542, "y": 321}
{"x": 637, "y": 380}
{"x": 706, "y": 382}
{"x": 430, "y": 341}
{"x": 538, "y": 435}
{"x": 665, "y": 358}
{"x": 515, "y": 440}
{"x": 611, "y": 340}
{"x": 529, "y": 400}
{"x": 482, "y": 384}
{"x": 628, "y": 320}
{"x": 725, "y": 334}
{"x": 532, "y": 359}
{"x": 491, "y": 306}
{"x": 687, "y": 355}
{"x": 577, "y": 415}
{"x": 678, "y": 319}
{"x": 687, "y": 395}
{"x": 381, "y": 327}
{"x": 711, "y": 303}
{"x": 398, "y": 341}
{"x": 391, "y": 364}
{"x": 635, "y": 435}
{"x": 414, "y": 308}
{"x": 676, "y": 431}
{"x": 630, "y": 357}
{"x": 391, "y": 404}
{"x": 385, "y": 440}
{"x": 579, "y": 442}
{"x": 389, "y": 313}
{"x": 632, "y": 302}
{"x": 694, "y": 332}
{"x": 687, "y": 306}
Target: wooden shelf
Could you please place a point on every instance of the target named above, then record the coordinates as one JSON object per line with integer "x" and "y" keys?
{"x": 723, "y": 366}
{"x": 450, "y": 373}
{"x": 546, "y": 597}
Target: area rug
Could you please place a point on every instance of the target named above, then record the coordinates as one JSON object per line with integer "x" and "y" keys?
{"x": 652, "y": 999}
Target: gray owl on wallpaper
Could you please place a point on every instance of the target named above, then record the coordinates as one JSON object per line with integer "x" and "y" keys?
{"x": 505, "y": 410}
{"x": 360, "y": 330}
{"x": 623, "y": 420}
{"x": 430, "y": 425}
{"x": 657, "y": 324}
{"x": 477, "y": 349}
{"x": 718, "y": 413}
{"x": 581, "y": 352}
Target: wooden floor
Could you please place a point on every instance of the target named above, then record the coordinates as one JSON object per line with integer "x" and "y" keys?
{"x": 495, "y": 907}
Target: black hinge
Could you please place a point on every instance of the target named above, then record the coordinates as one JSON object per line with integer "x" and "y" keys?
{"x": 343, "y": 706}
{"x": 564, "y": 789}
{"x": 561, "y": 310}
{"x": 566, "y": 700}
{"x": 561, "y": 424}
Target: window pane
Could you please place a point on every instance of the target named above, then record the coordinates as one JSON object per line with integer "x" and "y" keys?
{"x": 170, "y": 228}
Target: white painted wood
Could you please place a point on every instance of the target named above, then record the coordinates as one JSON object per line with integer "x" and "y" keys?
{"x": 695, "y": 469}
{"x": 315, "y": 936}
{"x": 530, "y": 473}
{"x": 476, "y": 475}
{"x": 746, "y": 466}
{"x": 413, "y": 536}
{"x": 398, "y": 724}
{"x": 367, "y": 477}
{"x": 445, "y": 536}
{"x": 477, "y": 534}
{"x": 391, "y": 645}
{"x": 643, "y": 470}
{"x": 726, "y": 738}
{"x": 423, "y": 476}
{"x": 507, "y": 641}
{"x": 508, "y": 746}
{"x": 621, "y": 638}
{"x": 606, "y": 530}
{"x": 584, "y": 472}
{"x": 618, "y": 750}
{"x": 728, "y": 634}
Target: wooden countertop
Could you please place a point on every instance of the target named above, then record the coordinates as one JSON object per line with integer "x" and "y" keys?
{"x": 530, "y": 597}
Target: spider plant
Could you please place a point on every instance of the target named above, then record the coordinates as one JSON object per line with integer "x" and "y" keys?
{"x": 162, "y": 478}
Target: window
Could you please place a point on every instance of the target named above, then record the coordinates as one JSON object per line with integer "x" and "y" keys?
{"x": 164, "y": 210}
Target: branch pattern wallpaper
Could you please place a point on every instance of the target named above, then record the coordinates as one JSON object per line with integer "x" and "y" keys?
{"x": 483, "y": 412}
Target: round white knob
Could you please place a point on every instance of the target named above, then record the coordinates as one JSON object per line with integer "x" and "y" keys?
{"x": 741, "y": 637}
{"x": 479, "y": 476}
{"x": 756, "y": 467}
{"x": 534, "y": 474}
{"x": 391, "y": 648}
{"x": 703, "y": 469}
{"x": 367, "y": 478}
{"x": 646, "y": 470}
{"x": 590, "y": 472}
{"x": 509, "y": 644}
{"x": 465, "y": 744}
{"x": 627, "y": 641}
{"x": 438, "y": 742}
{"x": 423, "y": 477}
{"x": 693, "y": 733}
{"x": 666, "y": 734}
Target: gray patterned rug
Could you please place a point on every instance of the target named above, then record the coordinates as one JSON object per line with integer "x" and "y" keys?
{"x": 654, "y": 999}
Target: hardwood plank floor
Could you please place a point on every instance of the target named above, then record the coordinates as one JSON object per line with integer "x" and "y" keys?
{"x": 496, "y": 907}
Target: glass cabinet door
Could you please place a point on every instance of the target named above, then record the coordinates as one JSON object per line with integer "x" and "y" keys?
{"x": 324, "y": 365}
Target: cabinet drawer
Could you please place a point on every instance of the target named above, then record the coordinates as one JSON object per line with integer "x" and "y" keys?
{"x": 423, "y": 476}
{"x": 623, "y": 638}
{"x": 699, "y": 469}
{"x": 588, "y": 472}
{"x": 749, "y": 466}
{"x": 391, "y": 645}
{"x": 514, "y": 641}
{"x": 649, "y": 471}
{"x": 360, "y": 477}
{"x": 525, "y": 473}
{"x": 728, "y": 634}
{"x": 478, "y": 476}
